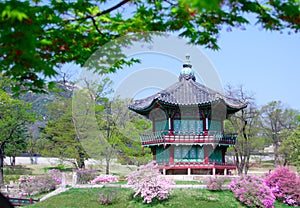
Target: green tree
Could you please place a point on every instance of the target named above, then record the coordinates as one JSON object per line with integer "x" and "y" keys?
{"x": 277, "y": 122}
{"x": 245, "y": 124}
{"x": 17, "y": 144}
{"x": 15, "y": 114}
{"x": 60, "y": 138}
{"x": 290, "y": 148}
{"x": 133, "y": 153}
{"x": 106, "y": 128}
{"x": 38, "y": 36}
{"x": 120, "y": 129}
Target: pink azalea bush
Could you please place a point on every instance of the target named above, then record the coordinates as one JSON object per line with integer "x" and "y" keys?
{"x": 285, "y": 185}
{"x": 215, "y": 183}
{"x": 56, "y": 175}
{"x": 84, "y": 176}
{"x": 31, "y": 185}
{"x": 148, "y": 183}
{"x": 104, "y": 179}
{"x": 253, "y": 192}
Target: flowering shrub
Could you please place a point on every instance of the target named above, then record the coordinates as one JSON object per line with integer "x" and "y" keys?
{"x": 215, "y": 183}
{"x": 56, "y": 175}
{"x": 285, "y": 185}
{"x": 252, "y": 191}
{"x": 31, "y": 185}
{"x": 148, "y": 183}
{"x": 84, "y": 176}
{"x": 107, "y": 195}
{"x": 104, "y": 179}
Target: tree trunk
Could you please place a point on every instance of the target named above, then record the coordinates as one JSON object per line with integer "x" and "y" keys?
{"x": 247, "y": 165}
{"x": 31, "y": 160}
{"x": 276, "y": 153}
{"x": 80, "y": 163}
{"x": 12, "y": 161}
{"x": 237, "y": 162}
{"x": 107, "y": 166}
{"x": 1, "y": 167}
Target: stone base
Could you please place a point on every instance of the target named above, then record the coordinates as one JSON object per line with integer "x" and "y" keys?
{"x": 195, "y": 177}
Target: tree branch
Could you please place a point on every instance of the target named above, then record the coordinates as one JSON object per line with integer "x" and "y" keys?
{"x": 112, "y": 8}
{"x": 100, "y": 13}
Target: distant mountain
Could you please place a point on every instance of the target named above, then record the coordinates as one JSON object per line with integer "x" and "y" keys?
{"x": 40, "y": 101}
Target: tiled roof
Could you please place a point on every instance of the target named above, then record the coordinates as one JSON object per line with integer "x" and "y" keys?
{"x": 186, "y": 92}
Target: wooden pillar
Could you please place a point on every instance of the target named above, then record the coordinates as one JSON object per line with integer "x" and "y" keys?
{"x": 223, "y": 154}
{"x": 171, "y": 154}
{"x": 225, "y": 172}
{"x": 189, "y": 171}
{"x": 214, "y": 171}
{"x": 206, "y": 154}
{"x": 206, "y": 126}
{"x": 164, "y": 171}
{"x": 154, "y": 152}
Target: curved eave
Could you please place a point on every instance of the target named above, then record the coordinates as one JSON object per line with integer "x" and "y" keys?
{"x": 231, "y": 108}
{"x": 143, "y": 111}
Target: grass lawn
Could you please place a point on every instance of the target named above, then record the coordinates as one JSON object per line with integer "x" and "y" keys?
{"x": 80, "y": 198}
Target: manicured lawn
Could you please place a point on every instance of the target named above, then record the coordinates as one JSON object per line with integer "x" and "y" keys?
{"x": 188, "y": 183}
{"x": 80, "y": 198}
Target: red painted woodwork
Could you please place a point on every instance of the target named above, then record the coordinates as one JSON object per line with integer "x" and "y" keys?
{"x": 172, "y": 154}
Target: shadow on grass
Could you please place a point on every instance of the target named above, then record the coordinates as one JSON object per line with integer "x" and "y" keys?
{"x": 155, "y": 202}
{"x": 17, "y": 170}
{"x": 63, "y": 169}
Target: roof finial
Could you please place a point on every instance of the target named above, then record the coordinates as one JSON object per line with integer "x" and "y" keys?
{"x": 187, "y": 56}
{"x": 187, "y": 72}
{"x": 187, "y": 62}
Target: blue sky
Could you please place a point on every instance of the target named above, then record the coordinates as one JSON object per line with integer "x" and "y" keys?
{"x": 266, "y": 63}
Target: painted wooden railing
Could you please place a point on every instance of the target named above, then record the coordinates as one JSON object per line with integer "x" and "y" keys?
{"x": 22, "y": 202}
{"x": 200, "y": 165}
{"x": 170, "y": 137}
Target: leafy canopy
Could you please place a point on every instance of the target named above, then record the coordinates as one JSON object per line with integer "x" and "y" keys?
{"x": 37, "y": 37}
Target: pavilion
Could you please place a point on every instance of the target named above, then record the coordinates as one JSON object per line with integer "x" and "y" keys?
{"x": 187, "y": 118}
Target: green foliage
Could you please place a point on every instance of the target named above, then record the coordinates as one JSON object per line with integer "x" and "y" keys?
{"x": 278, "y": 122}
{"x": 290, "y": 147}
{"x": 15, "y": 115}
{"x": 36, "y": 37}
{"x": 60, "y": 138}
{"x": 245, "y": 124}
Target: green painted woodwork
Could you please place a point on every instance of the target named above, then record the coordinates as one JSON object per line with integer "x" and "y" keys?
{"x": 161, "y": 125}
{"x": 215, "y": 126}
{"x": 215, "y": 155}
{"x": 162, "y": 154}
{"x": 185, "y": 153}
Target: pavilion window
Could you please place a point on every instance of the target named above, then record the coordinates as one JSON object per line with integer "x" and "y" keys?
{"x": 188, "y": 153}
{"x": 215, "y": 155}
{"x": 185, "y": 153}
{"x": 182, "y": 127}
{"x": 176, "y": 126}
{"x": 162, "y": 155}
